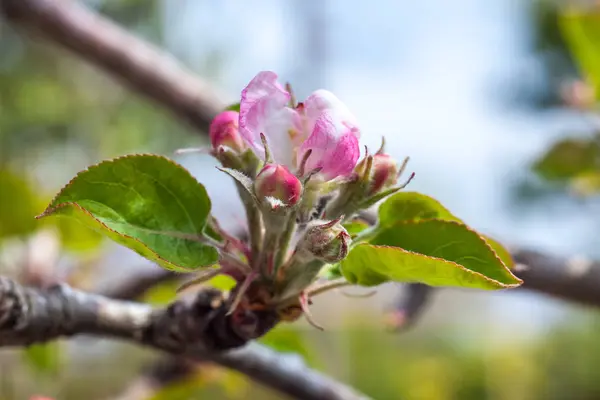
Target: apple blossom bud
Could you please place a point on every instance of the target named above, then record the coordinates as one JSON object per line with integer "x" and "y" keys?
{"x": 384, "y": 173}
{"x": 224, "y": 131}
{"x": 327, "y": 242}
{"x": 277, "y": 185}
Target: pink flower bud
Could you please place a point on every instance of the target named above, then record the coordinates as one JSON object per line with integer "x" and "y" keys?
{"x": 384, "y": 173}
{"x": 224, "y": 131}
{"x": 328, "y": 242}
{"x": 278, "y": 185}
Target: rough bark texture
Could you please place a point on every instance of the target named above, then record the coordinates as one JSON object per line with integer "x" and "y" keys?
{"x": 197, "y": 328}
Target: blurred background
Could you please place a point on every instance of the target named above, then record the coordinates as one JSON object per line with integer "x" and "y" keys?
{"x": 486, "y": 98}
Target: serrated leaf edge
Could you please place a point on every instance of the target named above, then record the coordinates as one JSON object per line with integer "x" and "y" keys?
{"x": 97, "y": 165}
{"x": 415, "y": 222}
{"x": 418, "y": 194}
{"x": 494, "y": 281}
{"x": 177, "y": 268}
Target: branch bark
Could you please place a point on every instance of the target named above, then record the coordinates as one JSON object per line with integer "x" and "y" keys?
{"x": 134, "y": 62}
{"x": 575, "y": 278}
{"x": 197, "y": 328}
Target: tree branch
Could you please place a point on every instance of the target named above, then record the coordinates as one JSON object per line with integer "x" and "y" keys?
{"x": 195, "y": 328}
{"x": 136, "y": 63}
{"x": 575, "y": 279}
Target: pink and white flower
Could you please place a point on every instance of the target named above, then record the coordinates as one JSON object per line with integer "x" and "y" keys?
{"x": 322, "y": 124}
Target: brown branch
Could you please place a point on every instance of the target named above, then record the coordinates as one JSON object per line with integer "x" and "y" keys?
{"x": 198, "y": 329}
{"x": 575, "y": 279}
{"x": 136, "y": 63}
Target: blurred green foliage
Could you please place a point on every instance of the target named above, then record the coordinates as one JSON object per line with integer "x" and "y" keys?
{"x": 44, "y": 358}
{"x": 581, "y": 29}
{"x": 18, "y": 205}
{"x": 541, "y": 89}
{"x": 575, "y": 161}
{"x": 569, "y": 158}
{"x": 208, "y": 382}
{"x": 287, "y": 338}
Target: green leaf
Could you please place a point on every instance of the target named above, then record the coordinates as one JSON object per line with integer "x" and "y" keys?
{"x": 233, "y": 107}
{"x": 18, "y": 205}
{"x": 434, "y": 252}
{"x": 370, "y": 265}
{"x": 581, "y": 31}
{"x": 355, "y": 227}
{"x": 448, "y": 240}
{"x": 210, "y": 229}
{"x": 500, "y": 251}
{"x": 411, "y": 206}
{"x": 568, "y": 158}
{"x": 43, "y": 358}
{"x": 145, "y": 202}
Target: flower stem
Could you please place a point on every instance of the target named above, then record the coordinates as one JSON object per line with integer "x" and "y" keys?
{"x": 299, "y": 274}
{"x": 284, "y": 243}
{"x": 268, "y": 249}
{"x": 255, "y": 225}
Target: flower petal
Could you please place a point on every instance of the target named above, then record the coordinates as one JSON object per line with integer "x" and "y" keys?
{"x": 334, "y": 146}
{"x": 263, "y": 109}
{"x": 323, "y": 100}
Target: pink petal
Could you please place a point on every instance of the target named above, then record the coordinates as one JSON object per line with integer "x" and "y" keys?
{"x": 334, "y": 147}
{"x": 323, "y": 100}
{"x": 263, "y": 109}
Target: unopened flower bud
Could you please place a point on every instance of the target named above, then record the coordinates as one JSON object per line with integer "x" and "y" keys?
{"x": 384, "y": 173}
{"x": 277, "y": 185}
{"x": 224, "y": 131}
{"x": 328, "y": 242}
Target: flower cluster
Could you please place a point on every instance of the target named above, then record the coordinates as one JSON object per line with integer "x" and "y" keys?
{"x": 297, "y": 167}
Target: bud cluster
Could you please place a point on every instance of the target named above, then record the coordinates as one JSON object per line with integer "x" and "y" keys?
{"x": 297, "y": 170}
